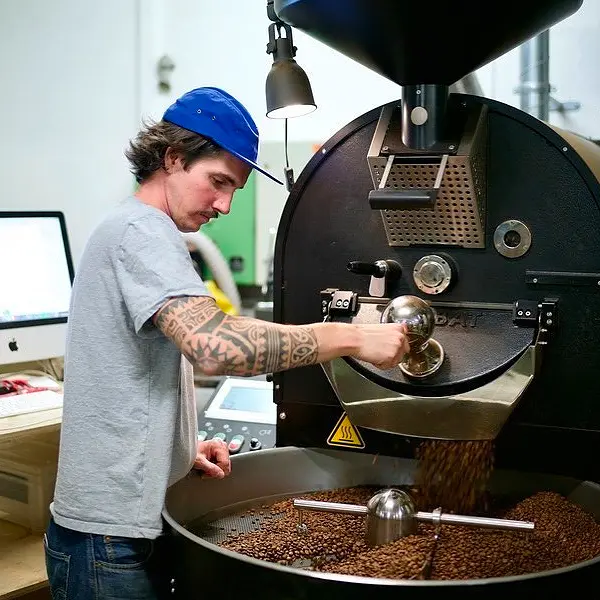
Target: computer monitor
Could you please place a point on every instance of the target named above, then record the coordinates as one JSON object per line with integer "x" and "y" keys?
{"x": 36, "y": 276}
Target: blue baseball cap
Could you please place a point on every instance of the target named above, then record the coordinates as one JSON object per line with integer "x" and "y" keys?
{"x": 215, "y": 114}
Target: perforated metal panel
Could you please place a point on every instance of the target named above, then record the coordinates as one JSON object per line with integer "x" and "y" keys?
{"x": 219, "y": 529}
{"x": 458, "y": 217}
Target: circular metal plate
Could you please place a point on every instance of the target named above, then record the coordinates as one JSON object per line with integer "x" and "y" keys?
{"x": 424, "y": 363}
{"x": 432, "y": 274}
{"x": 512, "y": 238}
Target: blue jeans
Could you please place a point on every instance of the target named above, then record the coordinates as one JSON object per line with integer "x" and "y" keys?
{"x": 85, "y": 566}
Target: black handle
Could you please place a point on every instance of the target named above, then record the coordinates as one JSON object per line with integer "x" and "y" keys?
{"x": 364, "y": 268}
{"x": 385, "y": 268}
{"x": 402, "y": 199}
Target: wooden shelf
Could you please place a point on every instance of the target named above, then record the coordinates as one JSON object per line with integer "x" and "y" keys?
{"x": 22, "y": 561}
{"x": 19, "y": 424}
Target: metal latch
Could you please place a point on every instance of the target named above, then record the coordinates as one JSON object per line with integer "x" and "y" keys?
{"x": 342, "y": 303}
{"x": 534, "y": 313}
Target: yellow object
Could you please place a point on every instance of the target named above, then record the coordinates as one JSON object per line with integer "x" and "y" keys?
{"x": 221, "y": 299}
{"x": 345, "y": 434}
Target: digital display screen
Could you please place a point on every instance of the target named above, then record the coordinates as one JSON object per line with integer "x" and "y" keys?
{"x": 35, "y": 272}
{"x": 242, "y": 399}
{"x": 248, "y": 400}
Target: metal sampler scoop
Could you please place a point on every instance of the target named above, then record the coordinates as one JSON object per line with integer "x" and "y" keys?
{"x": 391, "y": 515}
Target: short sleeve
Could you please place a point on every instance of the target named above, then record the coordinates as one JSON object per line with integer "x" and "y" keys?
{"x": 154, "y": 265}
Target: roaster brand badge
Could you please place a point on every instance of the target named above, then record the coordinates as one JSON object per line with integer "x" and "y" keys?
{"x": 345, "y": 434}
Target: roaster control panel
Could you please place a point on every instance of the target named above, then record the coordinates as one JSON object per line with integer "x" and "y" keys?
{"x": 242, "y": 414}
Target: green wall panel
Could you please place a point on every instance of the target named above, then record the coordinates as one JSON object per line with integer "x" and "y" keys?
{"x": 235, "y": 233}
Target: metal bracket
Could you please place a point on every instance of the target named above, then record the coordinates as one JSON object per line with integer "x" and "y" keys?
{"x": 548, "y": 319}
{"x": 562, "y": 278}
{"x": 542, "y": 314}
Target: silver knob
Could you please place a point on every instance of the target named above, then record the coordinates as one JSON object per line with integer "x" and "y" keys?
{"x": 390, "y": 516}
{"x": 426, "y": 355}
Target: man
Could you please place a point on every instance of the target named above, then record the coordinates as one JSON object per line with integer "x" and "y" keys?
{"x": 139, "y": 317}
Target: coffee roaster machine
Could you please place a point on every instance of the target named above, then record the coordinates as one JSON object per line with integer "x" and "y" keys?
{"x": 445, "y": 201}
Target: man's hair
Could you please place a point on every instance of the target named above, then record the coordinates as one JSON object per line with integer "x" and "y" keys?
{"x": 146, "y": 152}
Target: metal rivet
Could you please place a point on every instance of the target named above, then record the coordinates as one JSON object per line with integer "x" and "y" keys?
{"x": 282, "y": 416}
{"x": 564, "y": 148}
{"x": 535, "y": 281}
{"x": 199, "y": 111}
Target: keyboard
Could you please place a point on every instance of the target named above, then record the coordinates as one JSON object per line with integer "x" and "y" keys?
{"x": 21, "y": 404}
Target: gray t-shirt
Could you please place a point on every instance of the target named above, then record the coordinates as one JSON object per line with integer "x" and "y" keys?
{"x": 129, "y": 419}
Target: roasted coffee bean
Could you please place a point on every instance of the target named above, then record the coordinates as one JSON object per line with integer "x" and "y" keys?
{"x": 453, "y": 475}
{"x": 564, "y": 535}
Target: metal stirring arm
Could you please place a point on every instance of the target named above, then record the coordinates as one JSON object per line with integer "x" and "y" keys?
{"x": 465, "y": 520}
{"x": 330, "y": 507}
{"x": 380, "y": 524}
{"x": 334, "y": 507}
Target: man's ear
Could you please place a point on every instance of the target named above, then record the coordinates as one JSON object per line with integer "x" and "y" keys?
{"x": 172, "y": 161}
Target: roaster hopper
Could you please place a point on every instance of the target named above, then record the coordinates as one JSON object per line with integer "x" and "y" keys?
{"x": 490, "y": 216}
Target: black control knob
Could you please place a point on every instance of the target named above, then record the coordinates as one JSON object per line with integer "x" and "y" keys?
{"x": 255, "y": 444}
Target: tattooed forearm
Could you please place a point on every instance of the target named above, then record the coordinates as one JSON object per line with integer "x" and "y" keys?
{"x": 224, "y": 345}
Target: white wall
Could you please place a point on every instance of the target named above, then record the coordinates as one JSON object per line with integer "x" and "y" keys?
{"x": 68, "y": 100}
{"x": 574, "y": 51}
{"x": 77, "y": 77}
{"x": 224, "y": 44}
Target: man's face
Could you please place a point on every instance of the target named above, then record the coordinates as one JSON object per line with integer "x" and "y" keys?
{"x": 204, "y": 191}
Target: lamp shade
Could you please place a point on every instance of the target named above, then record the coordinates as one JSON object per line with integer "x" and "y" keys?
{"x": 288, "y": 91}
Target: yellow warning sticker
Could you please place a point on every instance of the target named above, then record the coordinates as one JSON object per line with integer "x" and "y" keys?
{"x": 345, "y": 434}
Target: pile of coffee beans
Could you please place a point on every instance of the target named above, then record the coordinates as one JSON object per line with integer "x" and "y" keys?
{"x": 564, "y": 535}
{"x": 453, "y": 474}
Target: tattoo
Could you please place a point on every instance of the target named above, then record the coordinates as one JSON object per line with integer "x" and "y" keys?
{"x": 221, "y": 344}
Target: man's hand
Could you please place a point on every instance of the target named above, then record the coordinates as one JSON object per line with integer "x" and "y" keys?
{"x": 212, "y": 457}
{"x": 383, "y": 345}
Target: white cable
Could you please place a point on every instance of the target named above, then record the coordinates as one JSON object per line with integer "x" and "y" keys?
{"x": 218, "y": 266}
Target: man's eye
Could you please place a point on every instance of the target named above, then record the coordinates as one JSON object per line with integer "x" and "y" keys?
{"x": 217, "y": 181}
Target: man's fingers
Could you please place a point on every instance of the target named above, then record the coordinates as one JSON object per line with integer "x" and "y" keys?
{"x": 221, "y": 457}
{"x": 213, "y": 458}
{"x": 210, "y": 469}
